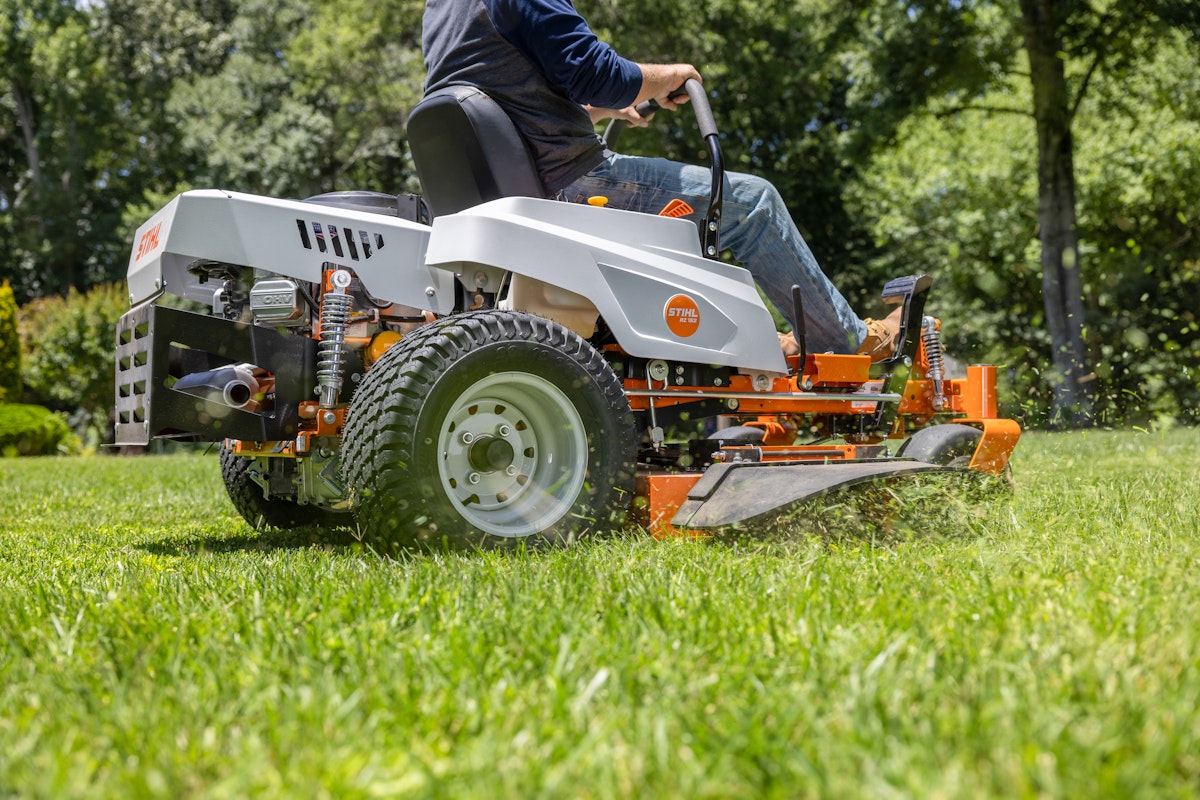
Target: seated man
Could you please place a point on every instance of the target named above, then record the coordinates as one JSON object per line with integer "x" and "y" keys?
{"x": 542, "y": 64}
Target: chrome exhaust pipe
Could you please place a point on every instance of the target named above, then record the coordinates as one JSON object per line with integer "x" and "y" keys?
{"x": 234, "y": 386}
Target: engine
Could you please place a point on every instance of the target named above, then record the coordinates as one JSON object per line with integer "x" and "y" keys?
{"x": 350, "y": 329}
{"x": 267, "y": 367}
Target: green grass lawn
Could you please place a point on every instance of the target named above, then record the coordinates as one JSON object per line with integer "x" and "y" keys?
{"x": 151, "y": 644}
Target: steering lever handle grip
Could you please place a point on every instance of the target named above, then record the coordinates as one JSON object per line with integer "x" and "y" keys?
{"x": 701, "y": 107}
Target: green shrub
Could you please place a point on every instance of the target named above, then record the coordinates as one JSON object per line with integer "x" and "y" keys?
{"x": 67, "y": 363}
{"x": 27, "y": 430}
{"x": 10, "y": 346}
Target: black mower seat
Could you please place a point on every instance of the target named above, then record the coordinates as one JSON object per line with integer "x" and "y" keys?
{"x": 467, "y": 151}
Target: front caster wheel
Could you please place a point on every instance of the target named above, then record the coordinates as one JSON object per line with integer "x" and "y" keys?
{"x": 489, "y": 428}
{"x": 948, "y": 445}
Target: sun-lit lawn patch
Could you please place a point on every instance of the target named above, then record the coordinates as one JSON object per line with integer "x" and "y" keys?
{"x": 152, "y": 644}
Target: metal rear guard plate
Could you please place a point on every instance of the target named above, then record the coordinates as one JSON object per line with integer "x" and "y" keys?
{"x": 148, "y": 407}
{"x": 729, "y": 494}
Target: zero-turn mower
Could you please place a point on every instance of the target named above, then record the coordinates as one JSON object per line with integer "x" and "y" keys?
{"x": 481, "y": 365}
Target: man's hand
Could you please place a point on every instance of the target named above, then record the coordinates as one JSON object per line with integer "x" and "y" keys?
{"x": 628, "y": 114}
{"x": 659, "y": 80}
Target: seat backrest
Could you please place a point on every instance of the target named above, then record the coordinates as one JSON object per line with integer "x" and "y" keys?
{"x": 467, "y": 151}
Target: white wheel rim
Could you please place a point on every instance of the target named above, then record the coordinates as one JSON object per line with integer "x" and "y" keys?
{"x": 512, "y": 454}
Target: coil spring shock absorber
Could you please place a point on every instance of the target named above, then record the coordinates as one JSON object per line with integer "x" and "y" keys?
{"x": 335, "y": 315}
{"x": 932, "y": 340}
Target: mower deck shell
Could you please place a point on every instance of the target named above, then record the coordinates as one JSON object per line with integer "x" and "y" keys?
{"x": 737, "y": 493}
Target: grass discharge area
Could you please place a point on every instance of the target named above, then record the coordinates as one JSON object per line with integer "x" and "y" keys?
{"x": 151, "y": 644}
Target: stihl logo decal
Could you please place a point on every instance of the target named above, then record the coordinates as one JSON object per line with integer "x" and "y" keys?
{"x": 148, "y": 243}
{"x": 340, "y": 241}
{"x": 682, "y": 315}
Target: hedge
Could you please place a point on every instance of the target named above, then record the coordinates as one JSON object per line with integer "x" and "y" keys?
{"x": 10, "y": 347}
{"x": 27, "y": 430}
{"x": 67, "y": 364}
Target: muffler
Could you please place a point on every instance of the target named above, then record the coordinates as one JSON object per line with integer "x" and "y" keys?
{"x": 234, "y": 386}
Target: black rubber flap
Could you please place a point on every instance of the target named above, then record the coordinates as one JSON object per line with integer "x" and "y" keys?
{"x": 728, "y": 494}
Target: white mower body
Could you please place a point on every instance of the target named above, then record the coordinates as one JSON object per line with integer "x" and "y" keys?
{"x": 643, "y": 275}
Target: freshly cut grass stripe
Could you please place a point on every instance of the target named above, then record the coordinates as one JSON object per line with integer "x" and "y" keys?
{"x": 1038, "y": 643}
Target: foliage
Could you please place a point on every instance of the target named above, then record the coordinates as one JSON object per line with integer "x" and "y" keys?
{"x": 1140, "y": 223}
{"x": 10, "y": 346}
{"x": 955, "y": 198}
{"x": 56, "y": 118}
{"x": 81, "y": 118}
{"x": 27, "y": 430}
{"x": 152, "y": 645}
{"x": 108, "y": 108}
{"x": 325, "y": 87}
{"x": 152, "y": 45}
{"x": 359, "y": 62}
{"x": 68, "y": 355}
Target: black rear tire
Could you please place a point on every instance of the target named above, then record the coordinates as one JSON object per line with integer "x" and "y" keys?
{"x": 265, "y": 513}
{"x": 486, "y": 429}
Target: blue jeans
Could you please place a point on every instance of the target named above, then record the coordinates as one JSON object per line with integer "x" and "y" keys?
{"x": 755, "y": 226}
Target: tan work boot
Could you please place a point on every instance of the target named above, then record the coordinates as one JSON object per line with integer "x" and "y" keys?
{"x": 881, "y": 338}
{"x": 787, "y": 343}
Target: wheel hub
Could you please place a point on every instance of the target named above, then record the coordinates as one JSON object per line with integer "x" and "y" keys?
{"x": 490, "y": 453}
{"x": 513, "y": 454}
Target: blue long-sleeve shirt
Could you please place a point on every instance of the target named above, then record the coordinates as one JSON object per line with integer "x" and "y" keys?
{"x": 541, "y": 62}
{"x": 552, "y": 35}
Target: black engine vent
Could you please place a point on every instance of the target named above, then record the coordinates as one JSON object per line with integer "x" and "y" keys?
{"x": 341, "y": 242}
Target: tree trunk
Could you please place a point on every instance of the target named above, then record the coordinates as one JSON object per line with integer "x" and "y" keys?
{"x": 25, "y": 118}
{"x": 1061, "y": 284}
